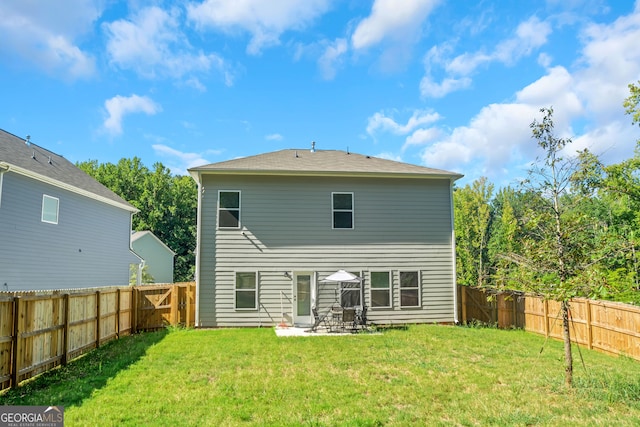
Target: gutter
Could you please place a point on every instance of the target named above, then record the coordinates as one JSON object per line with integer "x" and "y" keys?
{"x": 323, "y": 173}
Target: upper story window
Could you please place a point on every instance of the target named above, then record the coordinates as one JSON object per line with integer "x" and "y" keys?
{"x": 342, "y": 209}
{"x": 50, "y": 207}
{"x": 228, "y": 209}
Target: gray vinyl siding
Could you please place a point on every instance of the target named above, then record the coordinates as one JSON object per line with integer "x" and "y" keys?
{"x": 399, "y": 225}
{"x": 158, "y": 259}
{"x": 88, "y": 247}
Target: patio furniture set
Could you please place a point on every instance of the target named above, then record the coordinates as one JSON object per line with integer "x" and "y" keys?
{"x": 341, "y": 319}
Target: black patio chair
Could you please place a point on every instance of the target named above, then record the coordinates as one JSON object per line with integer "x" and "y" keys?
{"x": 349, "y": 319}
{"x": 361, "y": 318}
{"x": 318, "y": 319}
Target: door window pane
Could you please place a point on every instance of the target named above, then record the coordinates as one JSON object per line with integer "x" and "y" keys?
{"x": 303, "y": 290}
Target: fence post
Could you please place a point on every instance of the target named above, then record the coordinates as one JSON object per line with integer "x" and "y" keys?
{"x": 65, "y": 331}
{"x": 546, "y": 318}
{"x": 118, "y": 313}
{"x": 134, "y": 310}
{"x": 98, "y": 319}
{"x": 187, "y": 319}
{"x": 16, "y": 345}
{"x": 463, "y": 304}
{"x": 174, "y": 304}
{"x": 589, "y": 337}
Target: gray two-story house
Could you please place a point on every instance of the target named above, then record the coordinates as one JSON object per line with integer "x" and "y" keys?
{"x": 271, "y": 227}
{"x": 59, "y": 227}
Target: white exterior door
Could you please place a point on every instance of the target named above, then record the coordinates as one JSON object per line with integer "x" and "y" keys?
{"x": 304, "y": 296}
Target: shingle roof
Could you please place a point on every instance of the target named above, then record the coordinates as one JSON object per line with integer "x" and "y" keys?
{"x": 320, "y": 162}
{"x": 48, "y": 166}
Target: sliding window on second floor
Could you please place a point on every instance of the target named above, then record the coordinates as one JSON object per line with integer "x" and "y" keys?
{"x": 228, "y": 209}
{"x": 342, "y": 210}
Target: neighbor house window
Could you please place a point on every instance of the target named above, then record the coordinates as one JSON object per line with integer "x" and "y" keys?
{"x": 229, "y": 209}
{"x": 246, "y": 290}
{"x": 409, "y": 289}
{"x": 380, "y": 289}
{"x": 50, "y": 209}
{"x": 342, "y": 209}
{"x": 350, "y": 293}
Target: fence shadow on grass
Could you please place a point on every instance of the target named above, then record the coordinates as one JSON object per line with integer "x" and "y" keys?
{"x": 70, "y": 385}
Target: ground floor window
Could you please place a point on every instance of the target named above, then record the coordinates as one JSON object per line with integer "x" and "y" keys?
{"x": 246, "y": 290}
{"x": 351, "y": 293}
{"x": 380, "y": 289}
{"x": 409, "y": 289}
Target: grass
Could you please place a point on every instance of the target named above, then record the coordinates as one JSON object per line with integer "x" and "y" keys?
{"x": 423, "y": 375}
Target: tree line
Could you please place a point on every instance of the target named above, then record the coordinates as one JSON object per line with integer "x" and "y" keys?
{"x": 571, "y": 228}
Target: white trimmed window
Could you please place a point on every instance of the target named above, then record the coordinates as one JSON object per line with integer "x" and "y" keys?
{"x": 228, "y": 209}
{"x": 350, "y": 293}
{"x": 409, "y": 289}
{"x": 342, "y": 210}
{"x": 50, "y": 207}
{"x": 246, "y": 290}
{"x": 380, "y": 284}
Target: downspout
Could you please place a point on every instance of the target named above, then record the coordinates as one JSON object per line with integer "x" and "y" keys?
{"x": 198, "y": 246}
{"x": 3, "y": 169}
{"x": 453, "y": 254}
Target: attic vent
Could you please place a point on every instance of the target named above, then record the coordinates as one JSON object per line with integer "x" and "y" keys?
{"x": 313, "y": 146}
{"x": 28, "y": 140}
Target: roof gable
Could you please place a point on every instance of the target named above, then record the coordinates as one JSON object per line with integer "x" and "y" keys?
{"x": 137, "y": 235}
{"x": 321, "y": 162}
{"x": 39, "y": 163}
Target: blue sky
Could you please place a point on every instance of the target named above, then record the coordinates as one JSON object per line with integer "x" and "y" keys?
{"x": 451, "y": 85}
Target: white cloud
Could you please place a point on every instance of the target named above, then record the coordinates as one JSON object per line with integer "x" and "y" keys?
{"x": 530, "y": 35}
{"x": 381, "y": 122}
{"x": 152, "y": 44}
{"x": 610, "y": 60}
{"x": 331, "y": 58}
{"x": 421, "y": 137}
{"x": 266, "y": 21}
{"x": 44, "y": 34}
{"x": 179, "y": 161}
{"x": 391, "y": 19}
{"x": 119, "y": 106}
{"x": 432, "y": 89}
{"x": 274, "y": 137}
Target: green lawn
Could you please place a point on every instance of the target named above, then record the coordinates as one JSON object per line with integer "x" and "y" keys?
{"x": 423, "y": 375}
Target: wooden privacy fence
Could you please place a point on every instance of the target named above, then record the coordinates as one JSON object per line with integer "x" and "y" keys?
{"x": 39, "y": 331}
{"x": 606, "y": 326}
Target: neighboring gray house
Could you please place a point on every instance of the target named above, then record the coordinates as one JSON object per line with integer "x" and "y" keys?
{"x": 59, "y": 228}
{"x": 157, "y": 256}
{"x": 272, "y": 226}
